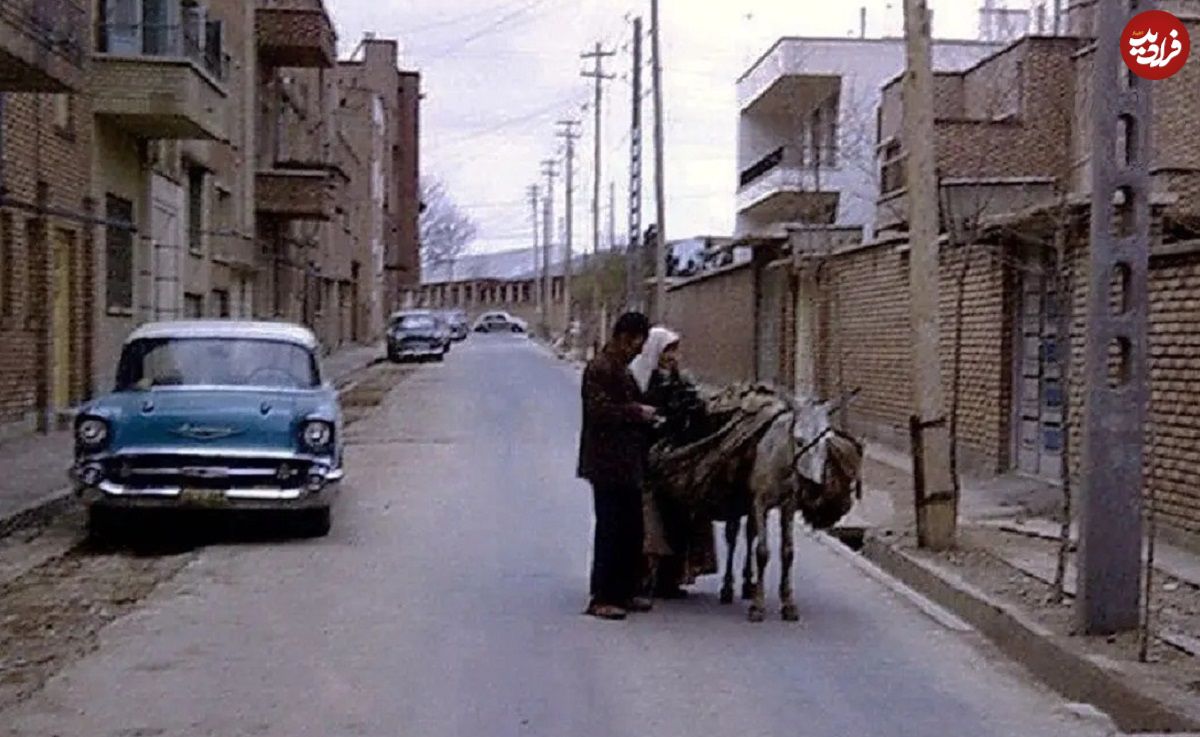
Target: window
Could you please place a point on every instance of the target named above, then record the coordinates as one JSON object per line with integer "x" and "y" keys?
{"x": 220, "y": 303}
{"x": 215, "y": 362}
{"x": 193, "y": 305}
{"x": 7, "y": 235}
{"x": 195, "y": 195}
{"x": 64, "y": 115}
{"x": 118, "y": 251}
{"x": 892, "y": 174}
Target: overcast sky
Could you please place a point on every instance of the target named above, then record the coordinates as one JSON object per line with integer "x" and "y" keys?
{"x": 498, "y": 74}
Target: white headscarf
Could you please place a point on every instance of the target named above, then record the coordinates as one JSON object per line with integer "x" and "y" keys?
{"x": 643, "y": 366}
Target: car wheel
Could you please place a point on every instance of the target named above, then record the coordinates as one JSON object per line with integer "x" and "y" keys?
{"x": 105, "y": 524}
{"x": 316, "y": 522}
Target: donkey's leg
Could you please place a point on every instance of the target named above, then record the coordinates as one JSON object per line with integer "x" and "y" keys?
{"x": 787, "y": 523}
{"x": 732, "y": 527}
{"x": 762, "y": 554}
{"x": 748, "y": 587}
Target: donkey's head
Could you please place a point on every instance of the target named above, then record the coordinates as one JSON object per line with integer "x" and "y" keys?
{"x": 827, "y": 464}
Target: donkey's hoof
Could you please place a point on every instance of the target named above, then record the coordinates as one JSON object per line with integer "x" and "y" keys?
{"x": 726, "y": 596}
{"x": 756, "y": 614}
{"x": 790, "y": 613}
{"x": 749, "y": 591}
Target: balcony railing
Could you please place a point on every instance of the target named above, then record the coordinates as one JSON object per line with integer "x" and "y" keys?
{"x": 761, "y": 167}
{"x": 56, "y": 25}
{"x": 187, "y": 41}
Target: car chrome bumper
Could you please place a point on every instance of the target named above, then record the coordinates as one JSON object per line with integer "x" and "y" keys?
{"x": 319, "y": 491}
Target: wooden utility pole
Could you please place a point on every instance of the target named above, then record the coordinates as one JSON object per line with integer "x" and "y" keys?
{"x": 537, "y": 294}
{"x": 597, "y": 73}
{"x": 569, "y": 133}
{"x": 550, "y": 170}
{"x": 635, "y": 282}
{"x": 660, "y": 198}
{"x": 1115, "y": 354}
{"x": 933, "y": 481}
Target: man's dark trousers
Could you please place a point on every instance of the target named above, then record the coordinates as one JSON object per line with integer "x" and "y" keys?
{"x": 617, "y": 551}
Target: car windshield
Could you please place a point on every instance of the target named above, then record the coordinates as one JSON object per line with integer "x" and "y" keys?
{"x": 415, "y": 322}
{"x": 216, "y": 362}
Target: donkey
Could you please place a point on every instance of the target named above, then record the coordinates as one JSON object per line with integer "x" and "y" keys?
{"x": 799, "y": 465}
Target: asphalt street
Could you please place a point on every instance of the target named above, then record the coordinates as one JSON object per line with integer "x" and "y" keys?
{"x": 448, "y": 600}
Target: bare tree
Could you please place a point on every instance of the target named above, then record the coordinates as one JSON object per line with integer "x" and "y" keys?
{"x": 446, "y": 231}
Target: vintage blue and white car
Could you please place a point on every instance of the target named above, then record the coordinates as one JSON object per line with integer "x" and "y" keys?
{"x": 212, "y": 414}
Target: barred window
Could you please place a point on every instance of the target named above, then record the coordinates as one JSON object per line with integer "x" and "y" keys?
{"x": 195, "y": 194}
{"x": 193, "y": 305}
{"x": 118, "y": 250}
{"x": 220, "y": 303}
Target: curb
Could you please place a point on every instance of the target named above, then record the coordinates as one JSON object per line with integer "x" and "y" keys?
{"x": 1057, "y": 661}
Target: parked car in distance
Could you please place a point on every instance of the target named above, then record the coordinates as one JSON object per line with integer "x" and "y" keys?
{"x": 500, "y": 322}
{"x": 418, "y": 334}
{"x": 459, "y": 325}
{"x": 213, "y": 414}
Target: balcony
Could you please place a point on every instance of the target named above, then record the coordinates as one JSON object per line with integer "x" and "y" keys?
{"x": 298, "y": 191}
{"x": 161, "y": 82}
{"x": 781, "y": 187}
{"x": 41, "y": 45}
{"x": 294, "y": 33}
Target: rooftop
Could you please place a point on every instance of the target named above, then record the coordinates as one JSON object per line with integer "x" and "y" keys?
{"x": 245, "y": 329}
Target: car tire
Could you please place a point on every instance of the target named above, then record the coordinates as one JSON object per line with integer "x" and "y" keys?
{"x": 105, "y": 524}
{"x": 316, "y": 522}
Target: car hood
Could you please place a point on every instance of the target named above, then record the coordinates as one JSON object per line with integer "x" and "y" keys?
{"x": 209, "y": 419}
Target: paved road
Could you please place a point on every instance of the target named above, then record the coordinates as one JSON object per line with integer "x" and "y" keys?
{"x": 447, "y": 602}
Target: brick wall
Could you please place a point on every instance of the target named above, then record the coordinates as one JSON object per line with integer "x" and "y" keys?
{"x": 45, "y": 167}
{"x": 865, "y": 344}
{"x": 715, "y": 315}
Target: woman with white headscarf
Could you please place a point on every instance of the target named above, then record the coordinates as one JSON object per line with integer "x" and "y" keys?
{"x": 678, "y": 547}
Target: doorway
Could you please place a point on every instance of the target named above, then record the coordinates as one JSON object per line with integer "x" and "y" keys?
{"x": 62, "y": 279}
{"x": 1038, "y": 376}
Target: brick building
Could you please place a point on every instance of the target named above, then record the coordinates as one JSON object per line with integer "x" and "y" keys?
{"x": 175, "y": 158}
{"x": 394, "y": 98}
{"x": 1013, "y": 153}
{"x": 47, "y": 233}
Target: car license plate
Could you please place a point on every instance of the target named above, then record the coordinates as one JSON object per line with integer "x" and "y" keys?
{"x": 203, "y": 497}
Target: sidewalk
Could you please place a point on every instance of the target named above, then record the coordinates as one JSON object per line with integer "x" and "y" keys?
{"x": 34, "y": 485}
{"x": 1000, "y": 579}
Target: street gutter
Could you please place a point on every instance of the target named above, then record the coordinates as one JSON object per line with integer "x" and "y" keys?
{"x": 1058, "y": 661}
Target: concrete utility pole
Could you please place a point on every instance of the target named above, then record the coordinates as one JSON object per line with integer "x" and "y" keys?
{"x": 933, "y": 482}
{"x": 634, "y": 280}
{"x": 533, "y": 203}
{"x": 660, "y": 197}
{"x": 612, "y": 216}
{"x": 550, "y": 170}
{"x": 1115, "y": 396}
{"x": 570, "y": 134}
{"x": 597, "y": 73}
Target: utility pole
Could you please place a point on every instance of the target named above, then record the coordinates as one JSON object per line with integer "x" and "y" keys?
{"x": 634, "y": 280}
{"x": 570, "y": 134}
{"x": 597, "y": 73}
{"x": 612, "y": 217}
{"x": 933, "y": 482}
{"x": 533, "y": 203}
{"x": 550, "y": 170}
{"x": 1115, "y": 399}
{"x": 660, "y": 198}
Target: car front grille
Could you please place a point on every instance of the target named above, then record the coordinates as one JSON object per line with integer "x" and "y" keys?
{"x": 156, "y": 471}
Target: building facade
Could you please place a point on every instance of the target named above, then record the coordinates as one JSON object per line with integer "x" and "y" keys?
{"x": 164, "y": 159}
{"x": 807, "y": 129}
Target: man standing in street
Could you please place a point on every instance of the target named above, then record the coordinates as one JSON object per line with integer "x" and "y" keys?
{"x": 612, "y": 449}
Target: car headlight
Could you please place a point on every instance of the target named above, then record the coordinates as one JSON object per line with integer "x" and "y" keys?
{"x": 92, "y": 433}
{"x": 317, "y": 435}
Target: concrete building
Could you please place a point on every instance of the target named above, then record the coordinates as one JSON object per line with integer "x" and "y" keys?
{"x": 807, "y": 129}
{"x": 373, "y": 81}
{"x": 47, "y": 213}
